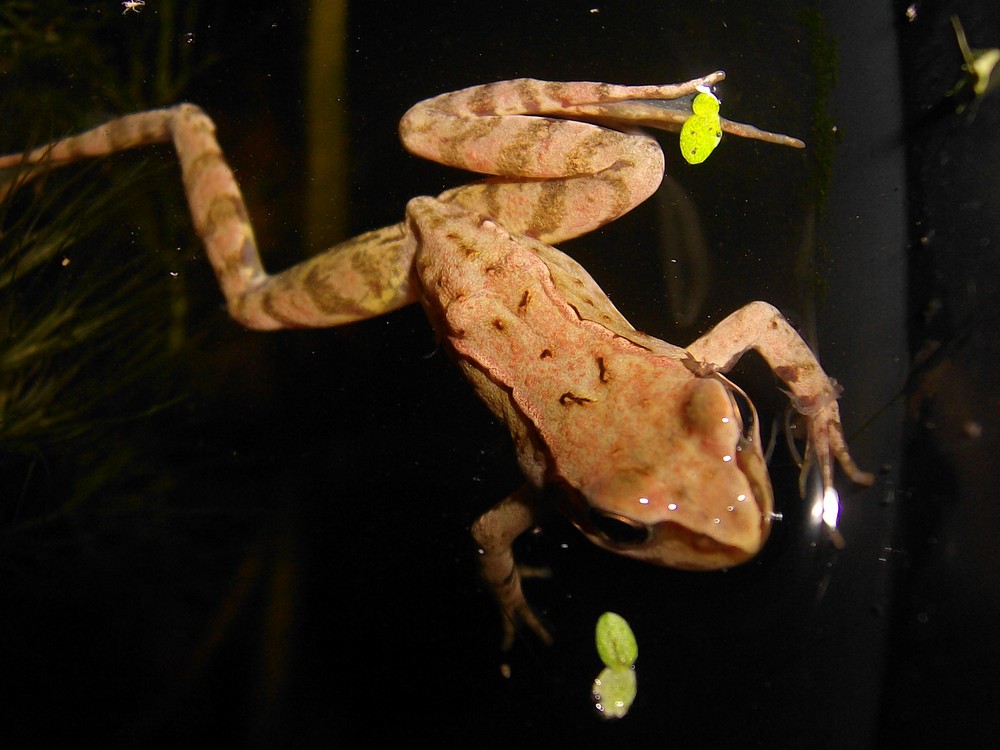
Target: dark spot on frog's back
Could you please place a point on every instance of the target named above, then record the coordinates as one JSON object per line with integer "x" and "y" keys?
{"x": 498, "y": 324}
{"x": 571, "y": 399}
{"x": 522, "y": 306}
{"x": 546, "y": 354}
{"x": 602, "y": 371}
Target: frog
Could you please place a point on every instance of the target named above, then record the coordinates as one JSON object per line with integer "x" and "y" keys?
{"x": 649, "y": 449}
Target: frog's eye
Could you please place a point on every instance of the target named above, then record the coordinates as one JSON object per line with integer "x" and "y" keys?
{"x": 619, "y": 531}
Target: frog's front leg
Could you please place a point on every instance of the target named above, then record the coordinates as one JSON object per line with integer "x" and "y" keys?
{"x": 760, "y": 326}
{"x": 495, "y": 532}
{"x": 360, "y": 278}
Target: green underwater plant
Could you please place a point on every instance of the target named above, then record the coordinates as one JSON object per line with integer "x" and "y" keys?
{"x": 615, "y": 687}
{"x": 980, "y": 66}
{"x": 128, "y": 560}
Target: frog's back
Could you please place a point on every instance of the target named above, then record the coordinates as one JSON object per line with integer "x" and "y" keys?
{"x": 544, "y": 347}
{"x": 463, "y": 255}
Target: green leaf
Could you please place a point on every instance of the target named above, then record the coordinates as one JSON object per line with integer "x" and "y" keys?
{"x": 705, "y": 104}
{"x": 702, "y": 131}
{"x": 616, "y": 644}
{"x": 614, "y": 690}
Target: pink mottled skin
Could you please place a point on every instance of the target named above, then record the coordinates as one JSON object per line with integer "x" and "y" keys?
{"x": 644, "y": 437}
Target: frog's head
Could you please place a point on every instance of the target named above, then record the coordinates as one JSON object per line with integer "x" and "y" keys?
{"x": 704, "y": 503}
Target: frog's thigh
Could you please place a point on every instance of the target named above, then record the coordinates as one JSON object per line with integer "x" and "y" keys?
{"x": 363, "y": 277}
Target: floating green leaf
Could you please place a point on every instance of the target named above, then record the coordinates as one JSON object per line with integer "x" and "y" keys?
{"x": 702, "y": 131}
{"x": 615, "y": 687}
{"x": 706, "y": 104}
{"x": 614, "y": 690}
{"x": 616, "y": 644}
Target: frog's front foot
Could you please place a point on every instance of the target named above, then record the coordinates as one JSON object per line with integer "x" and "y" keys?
{"x": 506, "y": 584}
{"x": 515, "y": 613}
{"x": 495, "y": 532}
{"x": 760, "y": 326}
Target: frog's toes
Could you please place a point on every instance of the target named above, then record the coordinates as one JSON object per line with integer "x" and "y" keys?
{"x": 523, "y": 614}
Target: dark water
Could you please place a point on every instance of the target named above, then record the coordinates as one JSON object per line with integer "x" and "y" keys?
{"x": 295, "y": 566}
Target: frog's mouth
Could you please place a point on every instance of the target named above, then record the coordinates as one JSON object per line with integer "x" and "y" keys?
{"x": 666, "y": 543}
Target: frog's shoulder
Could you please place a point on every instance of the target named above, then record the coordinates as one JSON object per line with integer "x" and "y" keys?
{"x": 582, "y": 293}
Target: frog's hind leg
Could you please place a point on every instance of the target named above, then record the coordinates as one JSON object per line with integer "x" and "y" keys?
{"x": 363, "y": 277}
{"x": 557, "y": 177}
{"x": 559, "y": 209}
{"x": 609, "y": 175}
{"x": 567, "y": 156}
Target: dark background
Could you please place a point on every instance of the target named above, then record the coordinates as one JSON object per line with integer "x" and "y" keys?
{"x": 279, "y": 555}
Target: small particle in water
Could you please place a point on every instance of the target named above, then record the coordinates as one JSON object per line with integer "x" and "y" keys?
{"x": 972, "y": 429}
{"x": 911, "y": 13}
{"x": 189, "y": 37}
